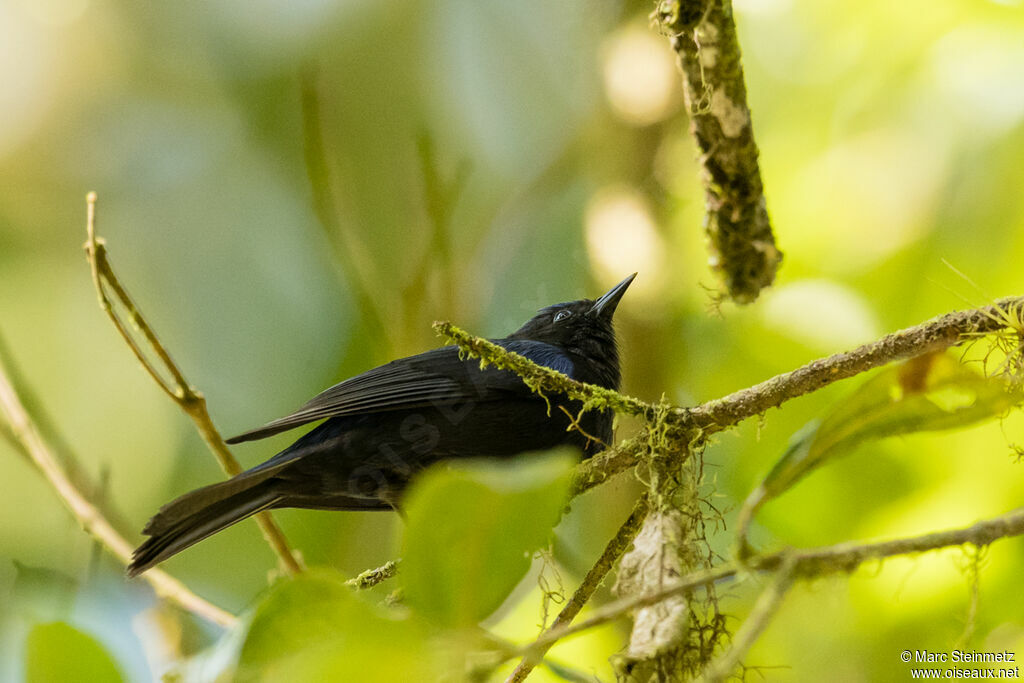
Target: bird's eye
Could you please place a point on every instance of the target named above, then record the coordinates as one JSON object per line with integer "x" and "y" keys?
{"x": 562, "y": 315}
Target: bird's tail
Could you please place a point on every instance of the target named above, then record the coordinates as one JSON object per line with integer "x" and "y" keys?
{"x": 201, "y": 513}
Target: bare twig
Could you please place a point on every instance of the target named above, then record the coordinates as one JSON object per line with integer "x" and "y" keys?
{"x": 743, "y": 249}
{"x": 764, "y": 609}
{"x": 25, "y": 435}
{"x": 625, "y": 535}
{"x": 809, "y": 563}
{"x": 166, "y": 373}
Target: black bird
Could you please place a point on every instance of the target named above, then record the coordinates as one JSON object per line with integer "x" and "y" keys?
{"x": 390, "y": 422}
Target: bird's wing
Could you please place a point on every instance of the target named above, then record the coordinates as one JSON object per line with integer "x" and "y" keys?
{"x": 430, "y": 378}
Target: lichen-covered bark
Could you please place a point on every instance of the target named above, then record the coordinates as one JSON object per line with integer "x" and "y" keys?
{"x": 673, "y": 639}
{"x": 652, "y": 564}
{"x": 742, "y": 245}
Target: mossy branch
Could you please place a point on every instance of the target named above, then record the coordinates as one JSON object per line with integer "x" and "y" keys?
{"x": 372, "y": 577}
{"x": 116, "y": 302}
{"x": 675, "y": 428}
{"x": 798, "y": 564}
{"x": 939, "y": 333}
{"x": 703, "y": 35}
{"x": 936, "y": 334}
{"x": 539, "y": 378}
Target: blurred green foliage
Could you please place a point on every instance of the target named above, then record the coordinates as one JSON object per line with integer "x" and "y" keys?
{"x": 891, "y": 136}
{"x": 929, "y": 393}
{"x": 57, "y": 652}
{"x": 471, "y": 532}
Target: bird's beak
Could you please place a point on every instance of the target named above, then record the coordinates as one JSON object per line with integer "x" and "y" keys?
{"x": 605, "y": 306}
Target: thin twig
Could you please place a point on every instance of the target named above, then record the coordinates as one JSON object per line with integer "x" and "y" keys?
{"x": 26, "y": 436}
{"x": 606, "y": 464}
{"x": 187, "y": 397}
{"x": 372, "y": 577}
{"x": 761, "y": 614}
{"x": 625, "y": 535}
{"x": 810, "y": 563}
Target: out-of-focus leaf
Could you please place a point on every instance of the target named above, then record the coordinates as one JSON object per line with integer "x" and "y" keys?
{"x": 42, "y": 594}
{"x": 57, "y": 652}
{"x": 930, "y": 393}
{"x": 314, "y": 628}
{"x": 472, "y": 529}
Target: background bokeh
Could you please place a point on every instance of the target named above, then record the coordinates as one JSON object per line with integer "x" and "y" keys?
{"x": 891, "y": 139}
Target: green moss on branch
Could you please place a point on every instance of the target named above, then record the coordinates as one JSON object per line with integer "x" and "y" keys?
{"x": 542, "y": 380}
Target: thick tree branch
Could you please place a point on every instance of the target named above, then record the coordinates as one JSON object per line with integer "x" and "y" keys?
{"x": 166, "y": 373}
{"x": 25, "y": 435}
{"x": 743, "y": 249}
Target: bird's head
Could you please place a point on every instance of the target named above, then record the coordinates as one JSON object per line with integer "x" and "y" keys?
{"x": 583, "y": 328}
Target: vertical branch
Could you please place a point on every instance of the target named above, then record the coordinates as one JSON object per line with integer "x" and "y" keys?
{"x": 742, "y": 244}
{"x": 25, "y": 435}
{"x": 625, "y": 535}
{"x": 676, "y": 637}
{"x": 166, "y": 373}
{"x": 659, "y": 630}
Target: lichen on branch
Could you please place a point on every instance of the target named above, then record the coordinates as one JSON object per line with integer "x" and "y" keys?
{"x": 739, "y": 230}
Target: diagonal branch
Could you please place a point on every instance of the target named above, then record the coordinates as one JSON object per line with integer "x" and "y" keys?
{"x": 764, "y": 610}
{"x": 25, "y": 435}
{"x": 622, "y": 539}
{"x": 936, "y": 334}
{"x": 166, "y": 373}
{"x": 942, "y": 332}
{"x": 805, "y": 564}
{"x": 539, "y": 378}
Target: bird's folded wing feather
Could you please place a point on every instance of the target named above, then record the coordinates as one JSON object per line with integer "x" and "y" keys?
{"x": 437, "y": 376}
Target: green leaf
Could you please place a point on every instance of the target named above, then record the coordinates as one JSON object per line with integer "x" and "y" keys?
{"x": 472, "y": 529}
{"x": 930, "y": 393}
{"x": 57, "y": 652}
{"x": 310, "y": 628}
